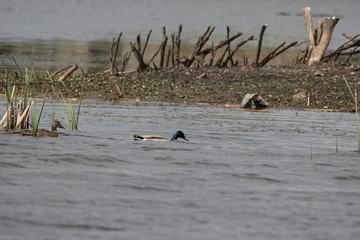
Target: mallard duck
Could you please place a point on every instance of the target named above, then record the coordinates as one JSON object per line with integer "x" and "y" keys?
{"x": 176, "y": 135}
{"x": 43, "y": 132}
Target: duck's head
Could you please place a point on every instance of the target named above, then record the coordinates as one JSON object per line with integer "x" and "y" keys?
{"x": 55, "y": 125}
{"x": 179, "y": 134}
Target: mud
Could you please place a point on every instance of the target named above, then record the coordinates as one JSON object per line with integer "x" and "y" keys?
{"x": 321, "y": 87}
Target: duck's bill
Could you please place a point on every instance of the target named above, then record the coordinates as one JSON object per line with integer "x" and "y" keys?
{"x": 186, "y": 139}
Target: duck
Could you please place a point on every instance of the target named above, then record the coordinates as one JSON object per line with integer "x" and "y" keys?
{"x": 43, "y": 132}
{"x": 176, "y": 135}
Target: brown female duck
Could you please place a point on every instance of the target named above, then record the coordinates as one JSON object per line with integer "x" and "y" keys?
{"x": 43, "y": 132}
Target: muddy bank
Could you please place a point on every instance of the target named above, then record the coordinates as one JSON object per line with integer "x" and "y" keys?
{"x": 320, "y": 86}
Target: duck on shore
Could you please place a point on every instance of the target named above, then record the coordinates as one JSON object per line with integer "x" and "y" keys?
{"x": 176, "y": 135}
{"x": 43, "y": 132}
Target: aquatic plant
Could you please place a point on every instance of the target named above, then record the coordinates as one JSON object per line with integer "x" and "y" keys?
{"x": 356, "y": 100}
{"x": 36, "y": 119}
{"x": 73, "y": 119}
{"x": 17, "y": 113}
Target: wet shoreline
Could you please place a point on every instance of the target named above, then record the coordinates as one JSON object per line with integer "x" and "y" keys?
{"x": 299, "y": 86}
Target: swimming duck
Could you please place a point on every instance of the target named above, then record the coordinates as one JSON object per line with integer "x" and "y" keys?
{"x": 43, "y": 132}
{"x": 176, "y": 135}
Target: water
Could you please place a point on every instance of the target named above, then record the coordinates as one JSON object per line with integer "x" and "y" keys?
{"x": 243, "y": 175}
{"x": 75, "y": 31}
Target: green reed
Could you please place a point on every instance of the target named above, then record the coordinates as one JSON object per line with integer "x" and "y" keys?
{"x": 35, "y": 120}
{"x": 73, "y": 119}
{"x": 356, "y": 99}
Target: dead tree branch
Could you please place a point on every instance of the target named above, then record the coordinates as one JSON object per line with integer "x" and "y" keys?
{"x": 319, "y": 38}
{"x": 114, "y": 53}
{"x": 262, "y": 31}
{"x": 280, "y": 49}
{"x": 178, "y": 45}
{"x": 126, "y": 60}
{"x": 139, "y": 54}
{"x": 198, "y": 46}
{"x": 163, "y": 48}
{"x": 232, "y": 53}
{"x": 352, "y": 44}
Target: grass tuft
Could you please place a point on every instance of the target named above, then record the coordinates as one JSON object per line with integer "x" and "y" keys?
{"x": 356, "y": 100}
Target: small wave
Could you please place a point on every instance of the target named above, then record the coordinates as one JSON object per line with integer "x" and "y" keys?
{"x": 209, "y": 163}
{"x": 347, "y": 178}
{"x": 153, "y": 148}
{"x": 63, "y": 225}
{"x": 182, "y": 163}
{"x": 323, "y": 164}
{"x": 146, "y": 188}
{"x": 85, "y": 159}
{"x": 10, "y": 165}
{"x": 163, "y": 158}
{"x": 269, "y": 165}
{"x": 253, "y": 176}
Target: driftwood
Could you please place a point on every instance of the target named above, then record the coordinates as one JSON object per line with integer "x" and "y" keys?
{"x": 59, "y": 71}
{"x": 317, "y": 39}
{"x": 68, "y": 72}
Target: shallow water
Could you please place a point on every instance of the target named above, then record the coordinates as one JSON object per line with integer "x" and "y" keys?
{"x": 75, "y": 31}
{"x": 243, "y": 175}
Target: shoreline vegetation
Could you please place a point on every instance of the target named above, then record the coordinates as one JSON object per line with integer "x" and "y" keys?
{"x": 214, "y": 73}
{"x": 320, "y": 86}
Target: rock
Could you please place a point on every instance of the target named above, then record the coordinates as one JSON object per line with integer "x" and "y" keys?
{"x": 253, "y": 100}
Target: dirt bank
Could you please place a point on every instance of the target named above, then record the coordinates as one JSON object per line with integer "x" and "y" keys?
{"x": 321, "y": 86}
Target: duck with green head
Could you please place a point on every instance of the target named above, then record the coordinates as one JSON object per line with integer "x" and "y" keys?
{"x": 176, "y": 135}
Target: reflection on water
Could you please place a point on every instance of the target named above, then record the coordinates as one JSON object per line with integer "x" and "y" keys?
{"x": 93, "y": 56}
{"x": 56, "y": 54}
{"x": 75, "y": 31}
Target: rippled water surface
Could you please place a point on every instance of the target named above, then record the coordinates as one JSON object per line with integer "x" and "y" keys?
{"x": 243, "y": 175}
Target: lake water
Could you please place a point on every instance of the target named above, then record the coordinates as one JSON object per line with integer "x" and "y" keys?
{"x": 284, "y": 174}
{"x": 65, "y": 32}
